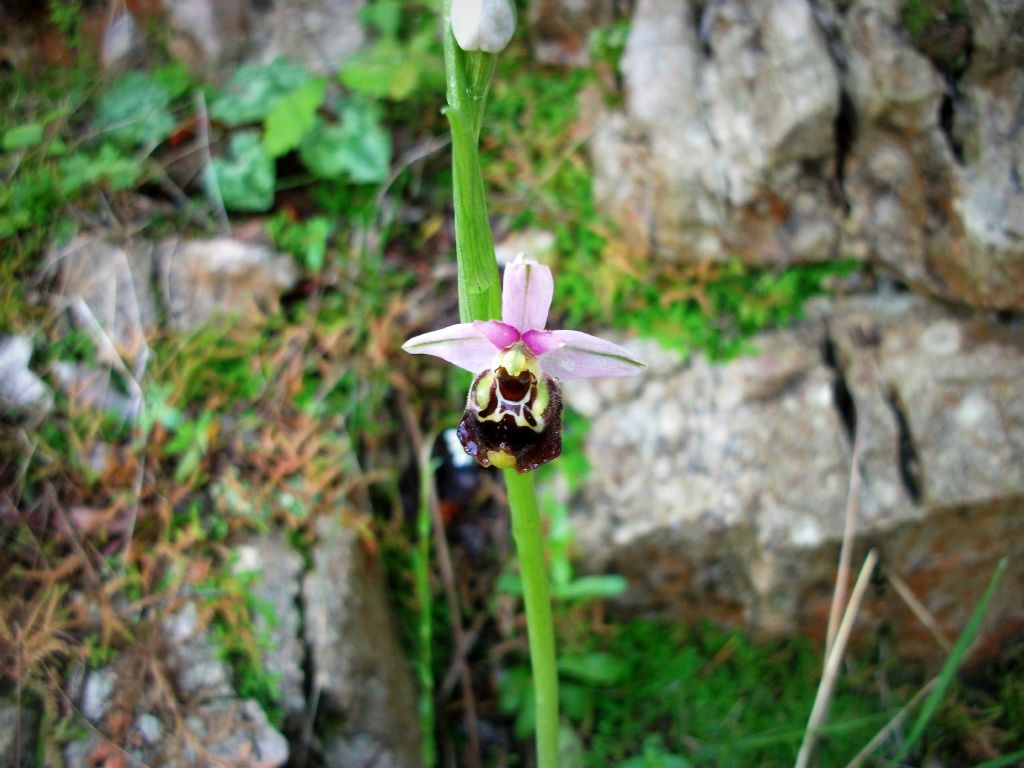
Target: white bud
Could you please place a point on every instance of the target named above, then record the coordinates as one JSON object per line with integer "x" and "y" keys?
{"x": 483, "y": 25}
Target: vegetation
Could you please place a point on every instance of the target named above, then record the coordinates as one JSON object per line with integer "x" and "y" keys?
{"x": 110, "y": 523}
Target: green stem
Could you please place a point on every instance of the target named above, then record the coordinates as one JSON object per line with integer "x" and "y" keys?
{"x": 522, "y": 502}
{"x": 468, "y": 79}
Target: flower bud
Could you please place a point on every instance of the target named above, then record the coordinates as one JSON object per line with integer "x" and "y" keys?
{"x": 483, "y": 25}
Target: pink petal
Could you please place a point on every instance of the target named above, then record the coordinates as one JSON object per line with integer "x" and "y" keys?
{"x": 574, "y": 355}
{"x": 526, "y": 294}
{"x": 500, "y": 334}
{"x": 460, "y": 344}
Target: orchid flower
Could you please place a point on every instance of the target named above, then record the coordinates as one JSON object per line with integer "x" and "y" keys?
{"x": 513, "y": 415}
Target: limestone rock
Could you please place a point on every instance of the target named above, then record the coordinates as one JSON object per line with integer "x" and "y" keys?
{"x": 725, "y": 497}
{"x": 23, "y": 395}
{"x": 208, "y": 34}
{"x": 788, "y": 131}
{"x": 733, "y": 113}
{"x": 358, "y": 666}
{"x": 204, "y": 279}
{"x": 277, "y": 569}
{"x": 113, "y": 280}
{"x": 318, "y": 34}
{"x": 216, "y": 726}
{"x": 94, "y": 389}
{"x": 17, "y": 735}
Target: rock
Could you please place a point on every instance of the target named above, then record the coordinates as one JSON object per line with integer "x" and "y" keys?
{"x": 95, "y": 389}
{"x": 216, "y": 727}
{"x": 208, "y": 34}
{"x": 17, "y": 735}
{"x": 789, "y": 131}
{"x": 204, "y": 279}
{"x": 725, "y": 497}
{"x": 113, "y": 282}
{"x": 538, "y": 243}
{"x": 710, "y": 166}
{"x": 358, "y": 667}
{"x": 559, "y": 29}
{"x": 23, "y": 395}
{"x": 123, "y": 43}
{"x": 277, "y": 571}
{"x": 320, "y": 34}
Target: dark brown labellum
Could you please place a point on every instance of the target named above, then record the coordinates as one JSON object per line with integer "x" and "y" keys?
{"x": 512, "y": 421}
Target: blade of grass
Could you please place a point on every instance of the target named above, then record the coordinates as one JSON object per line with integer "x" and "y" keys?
{"x": 949, "y": 668}
{"x": 1014, "y": 758}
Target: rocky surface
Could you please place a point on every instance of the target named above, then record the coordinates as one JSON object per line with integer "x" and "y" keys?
{"x": 23, "y": 395}
{"x": 276, "y": 570}
{"x": 175, "y": 708}
{"x": 125, "y": 288}
{"x": 789, "y": 131}
{"x": 725, "y": 497}
{"x": 360, "y": 671}
{"x": 203, "y": 279}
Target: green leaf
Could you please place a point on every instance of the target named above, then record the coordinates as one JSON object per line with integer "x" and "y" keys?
{"x": 135, "y": 110}
{"x": 245, "y": 180}
{"x": 253, "y": 91}
{"x": 357, "y": 148}
{"x": 383, "y": 15}
{"x": 385, "y": 70}
{"x": 292, "y": 117}
{"x": 594, "y": 668}
{"x": 107, "y": 167}
{"x": 592, "y": 588}
{"x": 22, "y": 136}
{"x": 174, "y": 77}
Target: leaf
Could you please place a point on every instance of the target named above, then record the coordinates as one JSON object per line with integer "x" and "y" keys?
{"x": 383, "y": 15}
{"x": 357, "y": 147}
{"x": 292, "y": 117}
{"x": 22, "y": 136}
{"x": 253, "y": 91}
{"x": 135, "y": 110}
{"x": 594, "y": 668}
{"x": 174, "y": 77}
{"x": 107, "y": 167}
{"x": 245, "y": 180}
{"x": 384, "y": 71}
{"x": 592, "y": 588}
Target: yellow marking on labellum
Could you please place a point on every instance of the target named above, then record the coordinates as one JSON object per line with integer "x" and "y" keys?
{"x": 483, "y": 390}
{"x": 501, "y": 459}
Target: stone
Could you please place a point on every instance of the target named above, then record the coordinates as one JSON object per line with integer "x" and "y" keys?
{"x": 201, "y": 280}
{"x": 358, "y": 666}
{"x": 538, "y": 243}
{"x": 207, "y": 34}
{"x": 94, "y": 389}
{"x": 710, "y": 166}
{"x": 319, "y": 35}
{"x": 216, "y": 727}
{"x": 277, "y": 569}
{"x": 791, "y": 131}
{"x": 23, "y": 395}
{"x": 725, "y": 496}
{"x": 17, "y": 735}
{"x": 112, "y": 280}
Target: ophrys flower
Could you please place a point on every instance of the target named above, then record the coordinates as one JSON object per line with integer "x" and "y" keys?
{"x": 513, "y": 415}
